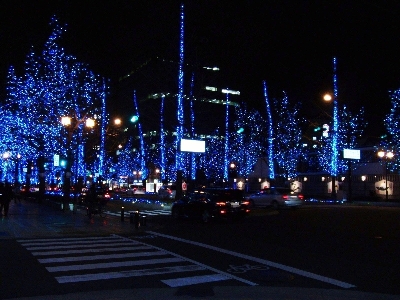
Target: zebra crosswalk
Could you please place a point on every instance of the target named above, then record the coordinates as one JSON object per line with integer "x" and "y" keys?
{"x": 154, "y": 212}
{"x": 72, "y": 260}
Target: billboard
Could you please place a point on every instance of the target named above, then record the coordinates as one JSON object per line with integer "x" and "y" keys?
{"x": 193, "y": 146}
{"x": 351, "y": 154}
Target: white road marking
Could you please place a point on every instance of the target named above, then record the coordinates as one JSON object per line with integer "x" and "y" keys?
{"x": 261, "y": 261}
{"x": 130, "y": 273}
{"x": 203, "y": 265}
{"x": 114, "y": 264}
{"x": 102, "y": 260}
{"x": 177, "y": 282}
{"x": 74, "y": 246}
{"x": 96, "y": 250}
{"x": 99, "y": 257}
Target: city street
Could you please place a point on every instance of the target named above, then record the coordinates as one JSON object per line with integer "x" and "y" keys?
{"x": 345, "y": 249}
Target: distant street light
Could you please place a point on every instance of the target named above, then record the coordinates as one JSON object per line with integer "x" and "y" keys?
{"x": 386, "y": 155}
{"x": 327, "y": 97}
{"x": 363, "y": 178}
{"x": 334, "y": 142}
{"x": 71, "y": 124}
{"x": 158, "y": 172}
{"x": 137, "y": 175}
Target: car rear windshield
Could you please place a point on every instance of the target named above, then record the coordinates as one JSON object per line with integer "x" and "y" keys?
{"x": 226, "y": 195}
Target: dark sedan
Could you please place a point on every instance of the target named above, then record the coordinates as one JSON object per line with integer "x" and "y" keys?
{"x": 209, "y": 204}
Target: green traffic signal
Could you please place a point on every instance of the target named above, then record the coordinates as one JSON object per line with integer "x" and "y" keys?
{"x": 134, "y": 119}
{"x": 63, "y": 163}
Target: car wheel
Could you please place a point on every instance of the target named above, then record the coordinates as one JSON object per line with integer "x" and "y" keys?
{"x": 205, "y": 216}
{"x": 275, "y": 205}
{"x": 251, "y": 204}
{"x": 175, "y": 213}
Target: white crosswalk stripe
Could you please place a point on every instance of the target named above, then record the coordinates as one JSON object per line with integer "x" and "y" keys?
{"x": 98, "y": 258}
{"x": 155, "y": 212}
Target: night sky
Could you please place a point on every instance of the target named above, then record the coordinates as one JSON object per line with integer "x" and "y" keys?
{"x": 290, "y": 44}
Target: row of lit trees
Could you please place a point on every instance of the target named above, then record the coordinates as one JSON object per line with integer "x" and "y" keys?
{"x": 55, "y": 84}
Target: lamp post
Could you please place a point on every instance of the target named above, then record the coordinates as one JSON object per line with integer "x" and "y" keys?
{"x": 386, "y": 155}
{"x": 158, "y": 172}
{"x": 363, "y": 178}
{"x": 334, "y": 141}
{"x": 6, "y": 157}
{"x": 71, "y": 124}
{"x": 137, "y": 175}
{"x": 18, "y": 158}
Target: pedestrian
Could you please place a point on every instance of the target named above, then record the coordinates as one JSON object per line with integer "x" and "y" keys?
{"x": 1, "y": 198}
{"x": 17, "y": 193}
{"x": 7, "y": 195}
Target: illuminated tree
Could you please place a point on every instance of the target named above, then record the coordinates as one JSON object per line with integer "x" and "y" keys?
{"x": 248, "y": 141}
{"x": 391, "y": 140}
{"x": 53, "y": 85}
{"x": 287, "y": 134}
{"x": 350, "y": 127}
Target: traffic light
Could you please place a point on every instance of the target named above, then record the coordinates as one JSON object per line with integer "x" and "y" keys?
{"x": 134, "y": 119}
{"x": 63, "y": 163}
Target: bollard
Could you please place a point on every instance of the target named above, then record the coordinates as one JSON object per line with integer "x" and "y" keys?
{"x": 131, "y": 216}
{"x": 143, "y": 220}
{"x": 122, "y": 214}
{"x": 136, "y": 219}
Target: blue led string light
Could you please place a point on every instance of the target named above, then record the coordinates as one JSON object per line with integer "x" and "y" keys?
{"x": 270, "y": 128}
{"x": 226, "y": 149}
{"x": 142, "y": 145}
{"x": 162, "y": 138}
{"x": 103, "y": 120}
{"x": 180, "y": 117}
{"x": 335, "y": 152}
{"x": 192, "y": 155}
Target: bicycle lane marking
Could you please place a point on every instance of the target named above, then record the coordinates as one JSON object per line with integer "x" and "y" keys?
{"x": 177, "y": 282}
{"x": 262, "y": 261}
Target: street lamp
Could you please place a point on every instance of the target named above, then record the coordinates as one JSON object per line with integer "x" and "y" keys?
{"x": 6, "y": 157}
{"x": 158, "y": 172}
{"x": 71, "y": 124}
{"x": 334, "y": 142}
{"x": 386, "y": 155}
{"x": 137, "y": 175}
{"x": 363, "y": 178}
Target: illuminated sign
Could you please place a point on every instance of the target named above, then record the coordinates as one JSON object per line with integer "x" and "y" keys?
{"x": 56, "y": 160}
{"x": 226, "y": 91}
{"x": 211, "y": 88}
{"x": 351, "y": 154}
{"x": 193, "y": 146}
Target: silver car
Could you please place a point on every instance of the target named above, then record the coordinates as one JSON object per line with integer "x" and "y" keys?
{"x": 276, "y": 197}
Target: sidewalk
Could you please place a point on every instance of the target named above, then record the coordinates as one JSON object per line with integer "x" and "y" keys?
{"x": 34, "y": 220}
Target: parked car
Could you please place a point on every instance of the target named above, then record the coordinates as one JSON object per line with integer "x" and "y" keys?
{"x": 136, "y": 190}
{"x": 276, "y": 197}
{"x": 209, "y": 204}
{"x": 101, "y": 195}
{"x": 167, "y": 191}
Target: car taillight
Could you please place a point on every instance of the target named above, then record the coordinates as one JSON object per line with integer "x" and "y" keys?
{"x": 246, "y": 202}
{"x": 221, "y": 203}
{"x": 301, "y": 197}
{"x": 285, "y": 197}
{"x": 107, "y": 196}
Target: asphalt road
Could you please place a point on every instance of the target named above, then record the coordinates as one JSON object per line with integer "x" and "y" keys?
{"x": 339, "y": 248}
